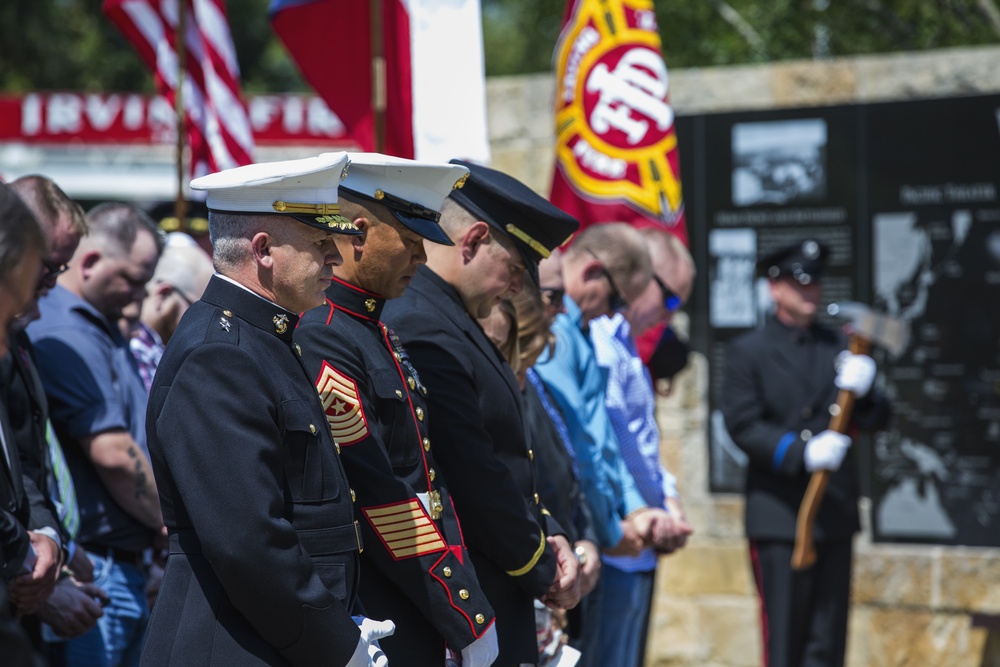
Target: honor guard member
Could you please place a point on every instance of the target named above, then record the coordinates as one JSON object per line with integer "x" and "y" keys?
{"x": 500, "y": 229}
{"x": 779, "y": 386}
{"x": 415, "y": 569}
{"x": 264, "y": 548}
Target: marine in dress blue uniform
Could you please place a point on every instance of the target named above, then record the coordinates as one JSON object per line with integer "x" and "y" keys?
{"x": 478, "y": 429}
{"x": 416, "y": 569}
{"x": 778, "y": 387}
{"x": 264, "y": 549}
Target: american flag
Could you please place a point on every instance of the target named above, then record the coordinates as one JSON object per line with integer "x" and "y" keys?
{"x": 218, "y": 128}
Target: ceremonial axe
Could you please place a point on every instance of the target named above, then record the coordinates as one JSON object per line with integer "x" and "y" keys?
{"x": 867, "y": 328}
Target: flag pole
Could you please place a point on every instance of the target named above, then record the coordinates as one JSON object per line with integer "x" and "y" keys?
{"x": 180, "y": 207}
{"x": 378, "y": 73}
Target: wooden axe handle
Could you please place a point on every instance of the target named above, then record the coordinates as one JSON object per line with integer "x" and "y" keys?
{"x": 804, "y": 554}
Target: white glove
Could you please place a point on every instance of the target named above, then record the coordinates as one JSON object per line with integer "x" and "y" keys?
{"x": 377, "y": 657}
{"x": 826, "y": 450}
{"x": 483, "y": 651}
{"x": 360, "y": 657}
{"x": 368, "y": 653}
{"x": 855, "y": 373}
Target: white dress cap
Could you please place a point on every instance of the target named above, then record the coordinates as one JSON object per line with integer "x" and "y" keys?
{"x": 304, "y": 189}
{"x": 413, "y": 191}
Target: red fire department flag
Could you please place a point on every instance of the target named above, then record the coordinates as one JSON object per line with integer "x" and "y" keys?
{"x": 219, "y": 133}
{"x": 616, "y": 151}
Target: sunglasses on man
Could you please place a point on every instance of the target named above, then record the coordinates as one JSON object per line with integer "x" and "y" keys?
{"x": 671, "y": 301}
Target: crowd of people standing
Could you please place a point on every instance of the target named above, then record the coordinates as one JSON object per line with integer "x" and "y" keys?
{"x": 399, "y": 416}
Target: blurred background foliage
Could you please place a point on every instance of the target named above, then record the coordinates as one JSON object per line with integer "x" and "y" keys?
{"x": 69, "y": 45}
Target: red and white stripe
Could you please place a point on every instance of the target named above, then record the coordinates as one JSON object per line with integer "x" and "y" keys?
{"x": 219, "y": 134}
{"x": 435, "y": 91}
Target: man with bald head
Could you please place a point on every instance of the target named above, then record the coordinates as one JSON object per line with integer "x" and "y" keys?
{"x": 182, "y": 274}
{"x": 604, "y": 271}
{"x": 631, "y": 404}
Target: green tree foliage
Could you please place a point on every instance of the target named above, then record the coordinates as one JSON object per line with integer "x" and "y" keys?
{"x": 519, "y": 35}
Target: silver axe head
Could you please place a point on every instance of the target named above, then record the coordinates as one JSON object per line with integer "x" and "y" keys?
{"x": 881, "y": 330}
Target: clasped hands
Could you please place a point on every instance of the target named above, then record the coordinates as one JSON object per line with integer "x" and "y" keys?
{"x": 658, "y": 528}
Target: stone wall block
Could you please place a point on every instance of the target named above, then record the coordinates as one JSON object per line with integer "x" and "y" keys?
{"x": 809, "y": 84}
{"x": 706, "y": 568}
{"x": 968, "y": 580}
{"x": 901, "y": 638}
{"x": 719, "y": 631}
{"x": 893, "y": 577}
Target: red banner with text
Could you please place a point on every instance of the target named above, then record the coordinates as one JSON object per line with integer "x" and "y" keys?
{"x": 129, "y": 118}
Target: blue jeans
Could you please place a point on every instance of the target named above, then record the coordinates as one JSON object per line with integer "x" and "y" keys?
{"x": 624, "y": 615}
{"x": 117, "y": 639}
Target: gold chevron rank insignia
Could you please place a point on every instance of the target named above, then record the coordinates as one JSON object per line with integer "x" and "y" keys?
{"x": 342, "y": 405}
{"x": 405, "y": 529}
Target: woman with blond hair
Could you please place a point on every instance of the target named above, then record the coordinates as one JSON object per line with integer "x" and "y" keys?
{"x": 519, "y": 327}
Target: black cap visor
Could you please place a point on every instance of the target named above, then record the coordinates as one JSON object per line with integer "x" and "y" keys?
{"x": 418, "y": 219}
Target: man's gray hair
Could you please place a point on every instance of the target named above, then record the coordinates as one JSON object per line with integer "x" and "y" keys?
{"x": 184, "y": 265}
{"x": 19, "y": 232}
{"x": 231, "y": 235}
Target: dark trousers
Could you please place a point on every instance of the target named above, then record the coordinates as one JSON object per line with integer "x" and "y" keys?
{"x": 644, "y": 639}
{"x": 803, "y": 614}
{"x": 586, "y": 639}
